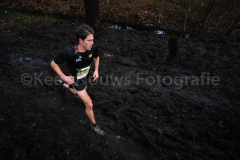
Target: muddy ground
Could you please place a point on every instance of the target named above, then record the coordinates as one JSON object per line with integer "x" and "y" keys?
{"x": 156, "y": 98}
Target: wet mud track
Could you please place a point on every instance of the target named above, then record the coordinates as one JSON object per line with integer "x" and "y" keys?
{"x": 156, "y": 98}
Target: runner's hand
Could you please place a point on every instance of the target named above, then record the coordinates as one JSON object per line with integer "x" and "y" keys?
{"x": 69, "y": 80}
{"x": 95, "y": 75}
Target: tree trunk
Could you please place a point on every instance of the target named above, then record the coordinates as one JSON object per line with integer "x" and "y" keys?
{"x": 68, "y": 5}
{"x": 233, "y": 4}
{"x": 81, "y": 8}
{"x": 190, "y": 5}
{"x": 209, "y": 12}
{"x": 91, "y": 12}
{"x": 183, "y": 4}
{"x": 159, "y": 8}
{"x": 185, "y": 22}
{"x": 230, "y": 31}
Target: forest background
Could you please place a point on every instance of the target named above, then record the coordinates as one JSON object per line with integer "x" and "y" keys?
{"x": 217, "y": 17}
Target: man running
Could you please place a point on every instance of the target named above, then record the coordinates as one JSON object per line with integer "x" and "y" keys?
{"x": 79, "y": 59}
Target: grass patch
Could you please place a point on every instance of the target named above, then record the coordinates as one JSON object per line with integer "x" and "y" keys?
{"x": 11, "y": 20}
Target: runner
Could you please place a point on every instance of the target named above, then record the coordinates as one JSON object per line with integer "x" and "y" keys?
{"x": 79, "y": 59}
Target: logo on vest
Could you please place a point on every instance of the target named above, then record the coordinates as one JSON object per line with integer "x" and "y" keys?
{"x": 79, "y": 58}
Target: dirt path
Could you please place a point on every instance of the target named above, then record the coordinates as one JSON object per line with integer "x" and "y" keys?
{"x": 156, "y": 98}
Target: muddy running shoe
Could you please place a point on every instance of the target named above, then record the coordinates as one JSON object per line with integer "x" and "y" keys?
{"x": 97, "y": 129}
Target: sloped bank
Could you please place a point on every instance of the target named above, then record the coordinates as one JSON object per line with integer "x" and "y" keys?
{"x": 156, "y": 98}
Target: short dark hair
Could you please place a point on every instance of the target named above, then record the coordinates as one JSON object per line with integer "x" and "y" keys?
{"x": 83, "y": 30}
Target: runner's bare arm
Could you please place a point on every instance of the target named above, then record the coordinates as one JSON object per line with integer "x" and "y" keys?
{"x": 57, "y": 69}
{"x": 96, "y": 64}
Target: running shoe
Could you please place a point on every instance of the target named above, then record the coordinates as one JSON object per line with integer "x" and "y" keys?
{"x": 97, "y": 129}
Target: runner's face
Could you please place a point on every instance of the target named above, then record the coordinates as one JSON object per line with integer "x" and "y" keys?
{"x": 88, "y": 42}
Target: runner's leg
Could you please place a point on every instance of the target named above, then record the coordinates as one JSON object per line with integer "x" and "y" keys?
{"x": 71, "y": 89}
{"x": 83, "y": 95}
